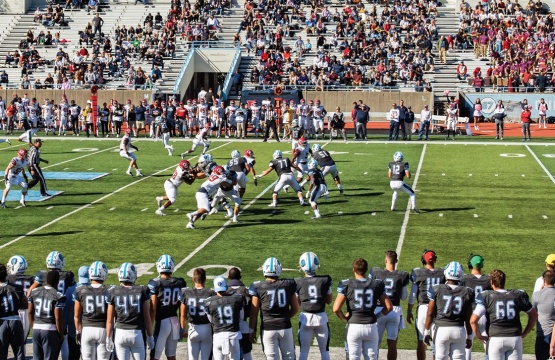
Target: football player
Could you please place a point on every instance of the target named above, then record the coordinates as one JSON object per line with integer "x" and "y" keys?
{"x": 194, "y": 320}
{"x": 277, "y": 303}
{"x": 285, "y": 176}
{"x": 362, "y": 296}
{"x": 202, "y": 110}
{"x": 129, "y": 308}
{"x": 207, "y": 189}
{"x": 47, "y": 116}
{"x": 449, "y": 310}
{"x": 15, "y": 175}
{"x": 300, "y": 158}
{"x": 12, "y": 331}
{"x": 327, "y": 164}
{"x": 124, "y": 148}
{"x": 303, "y": 111}
{"x": 183, "y": 173}
{"x": 200, "y": 139}
{"x": 251, "y": 161}
{"x": 422, "y": 280}
{"x": 314, "y": 292}
{"x": 241, "y": 166}
{"x": 166, "y": 298}
{"x": 16, "y": 266}
{"x": 227, "y": 189}
{"x": 33, "y": 113}
{"x": 318, "y": 113}
{"x": 74, "y": 111}
{"x": 63, "y": 114}
{"x": 396, "y": 173}
{"x": 255, "y": 110}
{"x": 46, "y": 306}
{"x": 162, "y": 124}
{"x": 502, "y": 309}
{"x": 54, "y": 261}
{"x": 91, "y": 302}
{"x": 235, "y": 286}
{"x": 317, "y": 188}
{"x": 477, "y": 282}
{"x": 225, "y": 311}
{"x": 396, "y": 282}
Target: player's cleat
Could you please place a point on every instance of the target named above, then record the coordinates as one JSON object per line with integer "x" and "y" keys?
{"x": 159, "y": 212}
{"x": 129, "y": 173}
{"x": 45, "y": 195}
{"x": 316, "y": 217}
{"x": 303, "y": 203}
{"x": 3, "y": 205}
{"x": 229, "y": 213}
{"x": 22, "y": 202}
{"x": 341, "y": 191}
{"x": 416, "y": 211}
{"x": 190, "y": 216}
{"x": 139, "y": 174}
{"x": 203, "y": 216}
{"x": 272, "y": 205}
{"x": 285, "y": 188}
{"x": 159, "y": 200}
{"x": 190, "y": 225}
{"x": 183, "y": 155}
{"x": 8, "y": 141}
{"x": 234, "y": 219}
{"x": 393, "y": 208}
{"x": 213, "y": 211}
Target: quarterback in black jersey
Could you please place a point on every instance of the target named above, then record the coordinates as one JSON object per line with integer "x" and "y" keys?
{"x": 397, "y": 172}
{"x": 326, "y": 163}
{"x": 318, "y": 187}
{"x": 12, "y": 333}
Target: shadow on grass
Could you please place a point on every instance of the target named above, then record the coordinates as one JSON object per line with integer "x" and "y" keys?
{"x": 368, "y": 194}
{"x": 266, "y": 221}
{"x": 64, "y": 204}
{"x": 447, "y": 209}
{"x": 53, "y": 233}
{"x": 84, "y": 194}
{"x": 353, "y": 213}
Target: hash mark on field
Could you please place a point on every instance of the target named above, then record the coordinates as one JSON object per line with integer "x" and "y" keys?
{"x": 469, "y": 174}
{"x": 112, "y": 209}
{"x": 307, "y": 212}
{"x": 510, "y": 216}
{"x": 50, "y": 207}
{"x": 443, "y": 174}
{"x": 373, "y": 214}
{"x": 340, "y": 212}
{"x": 90, "y": 169}
{"x": 440, "y": 215}
{"x": 176, "y": 210}
{"x": 114, "y": 169}
{"x": 523, "y": 175}
{"x": 18, "y": 207}
{"x": 145, "y": 209}
{"x": 475, "y": 215}
{"x": 66, "y": 168}
{"x": 496, "y": 174}
{"x": 544, "y": 216}
{"x": 365, "y": 173}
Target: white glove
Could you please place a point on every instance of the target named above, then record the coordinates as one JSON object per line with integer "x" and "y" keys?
{"x": 109, "y": 344}
{"x": 258, "y": 176}
{"x": 150, "y": 342}
{"x": 307, "y": 194}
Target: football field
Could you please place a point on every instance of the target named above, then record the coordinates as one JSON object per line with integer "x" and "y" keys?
{"x": 488, "y": 198}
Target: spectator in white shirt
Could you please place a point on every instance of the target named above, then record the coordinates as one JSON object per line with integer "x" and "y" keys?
{"x": 425, "y": 119}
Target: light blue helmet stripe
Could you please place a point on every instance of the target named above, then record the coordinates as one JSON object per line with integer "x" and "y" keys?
{"x": 96, "y": 264}
{"x": 125, "y": 270}
{"x": 309, "y": 264}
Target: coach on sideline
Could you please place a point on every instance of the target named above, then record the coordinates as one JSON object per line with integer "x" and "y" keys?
{"x": 34, "y": 167}
{"x": 544, "y": 301}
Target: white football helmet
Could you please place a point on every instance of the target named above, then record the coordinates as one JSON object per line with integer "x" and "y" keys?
{"x": 235, "y": 154}
{"x": 309, "y": 262}
{"x": 294, "y": 123}
{"x": 17, "y": 265}
{"x": 453, "y": 271}
{"x": 398, "y": 156}
{"x": 313, "y": 164}
{"x": 316, "y": 147}
{"x": 209, "y": 158}
{"x": 127, "y": 273}
{"x": 55, "y": 260}
{"x": 98, "y": 271}
{"x": 203, "y": 159}
{"x": 277, "y": 154}
{"x": 165, "y": 264}
{"x": 226, "y": 169}
{"x": 271, "y": 267}
{"x": 158, "y": 119}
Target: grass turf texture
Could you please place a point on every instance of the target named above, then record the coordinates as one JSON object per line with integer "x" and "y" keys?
{"x": 114, "y": 228}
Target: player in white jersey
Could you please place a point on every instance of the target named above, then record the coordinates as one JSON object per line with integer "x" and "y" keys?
{"x": 202, "y": 111}
{"x": 15, "y": 175}
{"x": 451, "y": 120}
{"x": 230, "y": 112}
{"x": 318, "y": 114}
{"x": 25, "y": 101}
{"x": 200, "y": 139}
{"x": 63, "y": 115}
{"x": 213, "y": 116}
{"x": 207, "y": 189}
{"x": 300, "y": 158}
{"x": 303, "y": 113}
{"x": 183, "y": 173}
{"x": 33, "y": 113}
{"x": 47, "y": 116}
{"x": 255, "y": 117}
{"x": 124, "y": 148}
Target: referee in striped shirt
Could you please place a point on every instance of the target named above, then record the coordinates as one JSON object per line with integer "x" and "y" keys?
{"x": 34, "y": 167}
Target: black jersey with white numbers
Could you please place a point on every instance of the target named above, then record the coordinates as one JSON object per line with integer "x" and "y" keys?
{"x": 163, "y": 126}
{"x": 425, "y": 278}
{"x": 168, "y": 292}
{"x": 275, "y": 302}
{"x": 94, "y": 302}
{"x": 225, "y": 312}
{"x": 313, "y": 291}
{"x": 503, "y": 311}
{"x": 398, "y": 170}
{"x": 453, "y": 304}
{"x": 362, "y": 298}
{"x": 10, "y": 298}
{"x": 394, "y": 282}
{"x": 243, "y": 291}
{"x": 45, "y": 300}
{"x": 296, "y": 133}
{"x": 316, "y": 177}
{"x": 478, "y": 284}
{"x": 238, "y": 164}
{"x": 194, "y": 299}
{"x": 25, "y": 281}
{"x": 323, "y": 157}
{"x": 67, "y": 279}
{"x": 281, "y": 166}
{"x": 128, "y": 305}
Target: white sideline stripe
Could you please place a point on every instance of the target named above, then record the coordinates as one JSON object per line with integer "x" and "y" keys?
{"x": 541, "y": 164}
{"x": 207, "y": 241}
{"x": 80, "y": 157}
{"x": 407, "y": 212}
{"x": 94, "y": 202}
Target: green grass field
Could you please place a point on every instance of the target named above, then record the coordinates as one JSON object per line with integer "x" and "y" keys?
{"x": 473, "y": 198}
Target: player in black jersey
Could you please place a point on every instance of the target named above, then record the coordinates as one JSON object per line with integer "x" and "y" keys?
{"x": 314, "y": 292}
{"x": 90, "y": 310}
{"x": 194, "y": 320}
{"x": 479, "y": 283}
{"x": 397, "y": 172}
{"x": 422, "y": 280}
{"x": 502, "y": 309}
{"x": 395, "y": 282}
{"x": 285, "y": 176}
{"x": 54, "y": 261}
{"x": 327, "y": 164}
{"x": 361, "y": 295}
{"x": 241, "y": 166}
{"x": 17, "y": 265}
{"x": 318, "y": 187}
{"x": 449, "y": 310}
{"x": 225, "y": 311}
{"x": 277, "y": 303}
{"x": 129, "y": 305}
{"x": 235, "y": 286}
{"x": 12, "y": 333}
{"x": 46, "y": 318}
{"x": 166, "y": 298}
{"x": 227, "y": 189}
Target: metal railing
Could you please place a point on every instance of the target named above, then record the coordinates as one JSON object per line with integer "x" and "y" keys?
{"x": 108, "y": 86}
{"x": 311, "y": 87}
{"x": 188, "y": 59}
{"x": 234, "y": 65}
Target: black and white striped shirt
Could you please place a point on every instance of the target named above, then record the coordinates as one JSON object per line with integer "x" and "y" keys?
{"x": 34, "y": 156}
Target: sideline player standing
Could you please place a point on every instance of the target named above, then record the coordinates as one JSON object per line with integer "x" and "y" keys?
{"x": 422, "y": 280}
{"x": 124, "y": 148}
{"x": 395, "y": 282}
{"x": 397, "y": 172}
{"x": 16, "y": 166}
{"x": 502, "y": 309}
{"x": 17, "y": 265}
{"x": 314, "y": 292}
{"x": 362, "y": 296}
{"x": 327, "y": 164}
{"x": 183, "y": 173}
{"x": 34, "y": 168}
{"x": 449, "y": 309}
{"x": 166, "y": 298}
{"x": 12, "y": 332}
{"x": 234, "y": 285}
{"x": 277, "y": 302}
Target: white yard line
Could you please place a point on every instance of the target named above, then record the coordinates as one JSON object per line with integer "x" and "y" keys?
{"x": 407, "y": 212}
{"x": 80, "y": 157}
{"x": 541, "y": 164}
{"x": 92, "y": 203}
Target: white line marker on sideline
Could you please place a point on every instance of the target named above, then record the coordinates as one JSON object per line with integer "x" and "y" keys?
{"x": 50, "y": 207}
{"x": 475, "y": 215}
{"x": 112, "y": 209}
{"x": 510, "y": 216}
{"x": 469, "y": 174}
{"x": 145, "y": 209}
{"x": 496, "y": 174}
{"x": 544, "y": 216}
{"x": 89, "y": 205}
{"x": 307, "y": 212}
{"x": 407, "y": 212}
{"x": 90, "y": 169}
{"x": 523, "y": 175}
